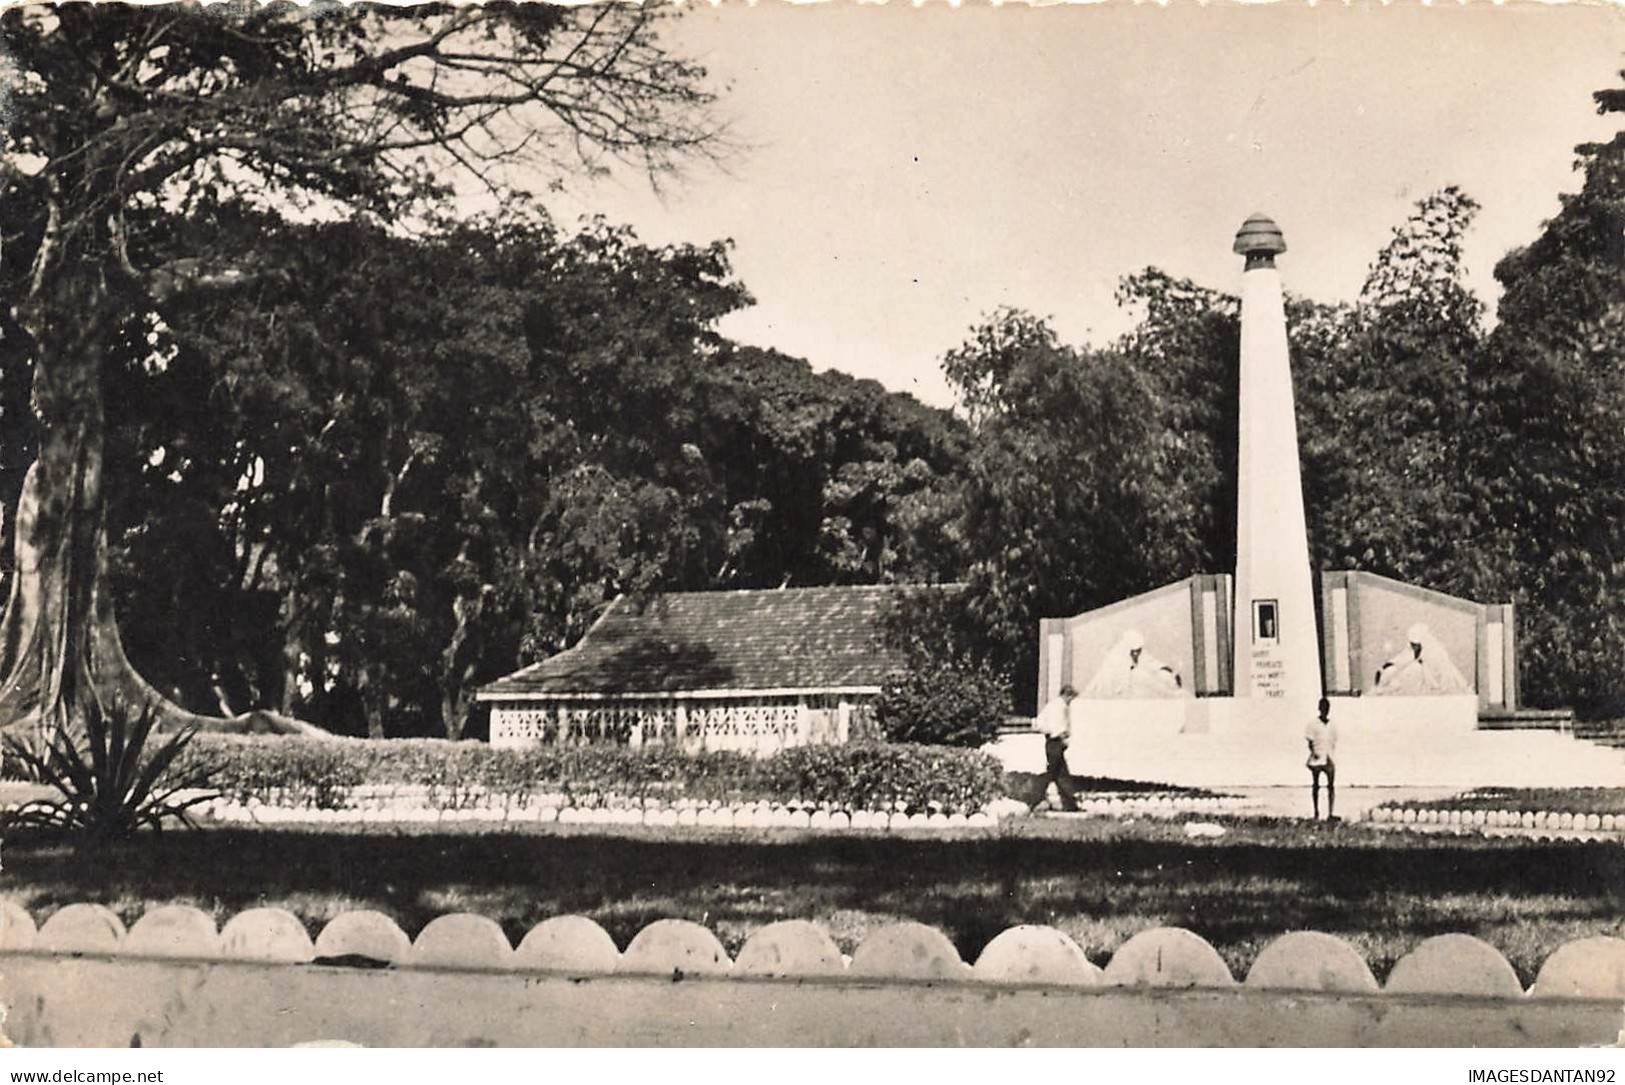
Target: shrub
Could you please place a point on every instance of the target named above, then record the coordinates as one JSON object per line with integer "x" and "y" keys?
{"x": 886, "y": 776}
{"x": 297, "y": 771}
{"x": 302, "y": 772}
{"x": 954, "y": 701}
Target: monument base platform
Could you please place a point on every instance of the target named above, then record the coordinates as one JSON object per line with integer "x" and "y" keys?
{"x": 1218, "y": 742}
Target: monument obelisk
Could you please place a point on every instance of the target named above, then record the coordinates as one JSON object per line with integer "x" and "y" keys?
{"x": 1277, "y": 657}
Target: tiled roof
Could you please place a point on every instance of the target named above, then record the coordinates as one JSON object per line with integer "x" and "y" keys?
{"x": 790, "y": 638}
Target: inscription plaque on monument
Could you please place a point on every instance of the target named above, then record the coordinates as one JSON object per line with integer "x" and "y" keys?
{"x": 1268, "y": 673}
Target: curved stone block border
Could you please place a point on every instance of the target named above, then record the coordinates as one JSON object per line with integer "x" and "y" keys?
{"x": 17, "y": 931}
{"x": 1455, "y": 964}
{"x": 1032, "y": 954}
{"x": 790, "y": 947}
{"x": 1589, "y": 968}
{"x": 462, "y": 940}
{"x": 908, "y": 951}
{"x": 552, "y": 809}
{"x": 676, "y": 946}
{"x": 1535, "y": 824}
{"x": 1448, "y": 964}
{"x": 1160, "y": 805}
{"x": 266, "y": 934}
{"x": 81, "y": 928}
{"x": 1168, "y": 957}
{"x": 173, "y": 930}
{"x": 1311, "y": 961}
{"x": 568, "y": 943}
{"x": 372, "y": 935}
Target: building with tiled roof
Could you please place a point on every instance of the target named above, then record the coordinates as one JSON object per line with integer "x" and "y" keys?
{"x": 743, "y": 670}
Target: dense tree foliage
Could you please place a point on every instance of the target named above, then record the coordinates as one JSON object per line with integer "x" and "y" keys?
{"x": 1393, "y": 482}
{"x": 1065, "y": 498}
{"x": 411, "y": 463}
{"x": 332, "y": 453}
{"x": 128, "y": 125}
{"x": 1555, "y": 445}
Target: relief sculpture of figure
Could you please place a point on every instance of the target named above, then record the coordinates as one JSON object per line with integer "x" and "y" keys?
{"x": 1422, "y": 667}
{"x": 1129, "y": 671}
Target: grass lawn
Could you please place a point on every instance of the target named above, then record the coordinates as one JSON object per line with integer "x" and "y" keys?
{"x": 1030, "y": 787}
{"x": 1100, "y": 881}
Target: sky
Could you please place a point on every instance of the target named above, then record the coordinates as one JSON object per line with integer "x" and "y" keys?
{"x": 903, "y": 171}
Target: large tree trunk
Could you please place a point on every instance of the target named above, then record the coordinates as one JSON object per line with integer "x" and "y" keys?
{"x": 454, "y": 708}
{"x": 60, "y": 648}
{"x": 457, "y": 665}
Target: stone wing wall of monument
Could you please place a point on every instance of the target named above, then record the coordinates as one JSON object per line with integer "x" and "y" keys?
{"x": 1171, "y": 642}
{"x": 1386, "y": 638}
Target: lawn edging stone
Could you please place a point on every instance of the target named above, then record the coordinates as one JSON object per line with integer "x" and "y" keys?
{"x": 1455, "y": 964}
{"x": 1168, "y": 957}
{"x": 568, "y": 943}
{"x": 676, "y": 947}
{"x": 365, "y": 933}
{"x": 1536, "y": 824}
{"x": 1039, "y": 955}
{"x": 81, "y": 928}
{"x": 656, "y": 812}
{"x": 790, "y": 947}
{"x": 1587, "y": 968}
{"x": 267, "y": 934}
{"x": 462, "y": 940}
{"x": 173, "y": 930}
{"x": 650, "y": 813}
{"x": 1311, "y": 961}
{"x": 17, "y": 930}
{"x": 908, "y": 950}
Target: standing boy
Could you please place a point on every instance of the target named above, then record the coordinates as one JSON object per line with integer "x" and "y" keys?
{"x": 1321, "y": 735}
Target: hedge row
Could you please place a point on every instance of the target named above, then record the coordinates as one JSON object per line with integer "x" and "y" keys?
{"x": 291, "y": 771}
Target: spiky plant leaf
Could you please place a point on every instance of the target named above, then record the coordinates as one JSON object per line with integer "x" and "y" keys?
{"x": 114, "y": 776}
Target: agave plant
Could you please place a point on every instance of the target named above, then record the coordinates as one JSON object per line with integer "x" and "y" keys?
{"x": 114, "y": 775}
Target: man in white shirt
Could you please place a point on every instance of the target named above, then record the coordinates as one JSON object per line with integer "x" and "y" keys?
{"x": 1055, "y": 724}
{"x": 1321, "y": 735}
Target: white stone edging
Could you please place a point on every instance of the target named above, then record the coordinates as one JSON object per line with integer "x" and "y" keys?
{"x": 1539, "y": 824}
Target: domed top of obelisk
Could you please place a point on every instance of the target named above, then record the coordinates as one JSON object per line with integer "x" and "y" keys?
{"x": 1259, "y": 239}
